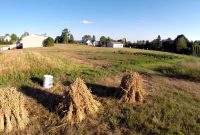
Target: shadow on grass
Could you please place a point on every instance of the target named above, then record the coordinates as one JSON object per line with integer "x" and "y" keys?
{"x": 104, "y": 91}
{"x": 101, "y": 90}
{"x": 49, "y": 100}
{"x": 37, "y": 80}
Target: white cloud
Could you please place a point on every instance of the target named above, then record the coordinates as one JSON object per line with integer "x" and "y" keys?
{"x": 86, "y": 22}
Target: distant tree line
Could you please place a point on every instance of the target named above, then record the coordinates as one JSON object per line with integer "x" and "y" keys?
{"x": 179, "y": 45}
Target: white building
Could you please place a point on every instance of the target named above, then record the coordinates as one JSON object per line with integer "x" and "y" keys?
{"x": 95, "y": 43}
{"x": 5, "y": 38}
{"x": 33, "y": 41}
{"x": 89, "y": 42}
{"x": 115, "y": 45}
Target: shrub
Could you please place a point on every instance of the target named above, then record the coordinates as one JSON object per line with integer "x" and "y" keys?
{"x": 48, "y": 42}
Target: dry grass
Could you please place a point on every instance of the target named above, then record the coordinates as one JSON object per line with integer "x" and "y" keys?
{"x": 19, "y": 66}
{"x": 171, "y": 106}
{"x": 132, "y": 90}
{"x": 13, "y": 115}
{"x": 78, "y": 102}
{"x": 11, "y": 63}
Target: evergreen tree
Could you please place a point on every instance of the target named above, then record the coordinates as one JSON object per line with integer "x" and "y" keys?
{"x": 65, "y": 36}
{"x": 71, "y": 38}
{"x": 24, "y": 35}
{"x": 86, "y": 37}
{"x": 93, "y": 38}
{"x": 103, "y": 40}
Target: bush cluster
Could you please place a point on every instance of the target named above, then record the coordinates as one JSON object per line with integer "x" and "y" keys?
{"x": 48, "y": 42}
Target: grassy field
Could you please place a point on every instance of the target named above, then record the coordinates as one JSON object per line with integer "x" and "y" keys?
{"x": 171, "y": 81}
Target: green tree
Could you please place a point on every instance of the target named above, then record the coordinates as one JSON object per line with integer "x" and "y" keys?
{"x": 24, "y": 35}
{"x": 93, "y": 38}
{"x": 196, "y": 49}
{"x": 181, "y": 43}
{"x": 86, "y": 37}
{"x": 65, "y": 36}
{"x": 103, "y": 40}
{"x": 58, "y": 39}
{"x": 168, "y": 45}
{"x": 147, "y": 44}
{"x": 14, "y": 37}
{"x": 48, "y": 42}
{"x": 156, "y": 43}
{"x": 140, "y": 44}
{"x": 108, "y": 40}
{"x": 124, "y": 41}
{"x": 7, "y": 34}
{"x": 71, "y": 38}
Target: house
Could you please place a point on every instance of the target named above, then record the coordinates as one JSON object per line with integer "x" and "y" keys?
{"x": 87, "y": 42}
{"x": 115, "y": 44}
{"x": 6, "y": 38}
{"x": 90, "y": 42}
{"x": 32, "y": 41}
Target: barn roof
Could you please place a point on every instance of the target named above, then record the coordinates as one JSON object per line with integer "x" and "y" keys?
{"x": 34, "y": 35}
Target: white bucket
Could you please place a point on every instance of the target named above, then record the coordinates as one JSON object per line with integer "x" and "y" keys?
{"x": 47, "y": 81}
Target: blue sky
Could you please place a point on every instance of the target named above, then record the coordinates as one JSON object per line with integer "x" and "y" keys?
{"x": 133, "y": 19}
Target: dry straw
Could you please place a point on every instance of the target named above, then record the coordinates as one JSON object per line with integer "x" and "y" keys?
{"x": 13, "y": 115}
{"x": 132, "y": 90}
{"x": 78, "y": 103}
